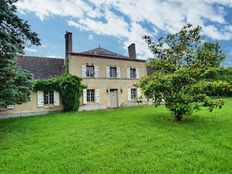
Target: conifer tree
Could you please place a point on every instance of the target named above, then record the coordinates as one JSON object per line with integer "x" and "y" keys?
{"x": 15, "y": 34}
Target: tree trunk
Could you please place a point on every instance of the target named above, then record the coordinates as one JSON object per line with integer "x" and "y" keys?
{"x": 178, "y": 117}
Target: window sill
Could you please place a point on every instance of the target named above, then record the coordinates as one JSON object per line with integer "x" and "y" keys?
{"x": 49, "y": 106}
{"x": 90, "y": 103}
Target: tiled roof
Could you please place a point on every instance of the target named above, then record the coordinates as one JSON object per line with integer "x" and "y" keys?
{"x": 105, "y": 54}
{"x": 42, "y": 67}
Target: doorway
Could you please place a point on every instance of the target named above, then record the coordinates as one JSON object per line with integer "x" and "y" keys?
{"x": 113, "y": 98}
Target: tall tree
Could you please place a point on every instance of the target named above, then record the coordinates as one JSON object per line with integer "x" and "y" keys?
{"x": 15, "y": 34}
{"x": 181, "y": 68}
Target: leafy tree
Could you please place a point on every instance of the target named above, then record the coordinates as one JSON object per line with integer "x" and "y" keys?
{"x": 15, "y": 82}
{"x": 181, "y": 67}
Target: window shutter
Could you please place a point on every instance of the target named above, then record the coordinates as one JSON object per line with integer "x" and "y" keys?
{"x": 128, "y": 72}
{"x": 97, "y": 96}
{"x": 129, "y": 94}
{"x": 96, "y": 70}
{"x": 118, "y": 72}
{"x": 137, "y": 73}
{"x": 56, "y": 98}
{"x": 84, "y": 96}
{"x": 107, "y": 71}
{"x": 40, "y": 99}
{"x": 138, "y": 92}
{"x": 83, "y": 69}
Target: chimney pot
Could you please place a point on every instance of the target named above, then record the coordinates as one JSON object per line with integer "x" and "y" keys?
{"x": 132, "y": 51}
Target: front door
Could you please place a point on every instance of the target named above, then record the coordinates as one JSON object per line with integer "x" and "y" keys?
{"x": 113, "y": 98}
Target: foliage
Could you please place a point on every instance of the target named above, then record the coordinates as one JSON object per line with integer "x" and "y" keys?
{"x": 224, "y": 74}
{"x": 69, "y": 86}
{"x": 15, "y": 83}
{"x": 143, "y": 138}
{"x": 182, "y": 64}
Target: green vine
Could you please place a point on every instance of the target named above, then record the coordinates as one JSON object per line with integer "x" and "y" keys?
{"x": 69, "y": 87}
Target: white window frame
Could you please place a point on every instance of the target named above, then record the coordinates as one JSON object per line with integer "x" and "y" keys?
{"x": 90, "y": 92}
{"x": 40, "y": 99}
{"x": 93, "y": 71}
{"x": 134, "y": 77}
{"x": 96, "y": 96}
{"x": 115, "y": 74}
{"x": 136, "y": 93}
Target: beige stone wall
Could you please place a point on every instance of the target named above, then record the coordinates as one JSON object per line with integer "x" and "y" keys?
{"x": 29, "y": 108}
{"x": 103, "y": 83}
{"x": 75, "y": 63}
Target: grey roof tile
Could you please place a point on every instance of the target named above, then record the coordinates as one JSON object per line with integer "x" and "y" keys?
{"x": 42, "y": 67}
{"x": 103, "y": 52}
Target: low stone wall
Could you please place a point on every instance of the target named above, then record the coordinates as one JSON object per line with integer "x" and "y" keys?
{"x": 25, "y": 114}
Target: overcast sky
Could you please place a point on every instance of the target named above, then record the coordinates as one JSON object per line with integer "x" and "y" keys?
{"x": 115, "y": 24}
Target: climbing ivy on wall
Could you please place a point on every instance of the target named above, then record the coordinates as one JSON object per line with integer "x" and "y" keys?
{"x": 69, "y": 87}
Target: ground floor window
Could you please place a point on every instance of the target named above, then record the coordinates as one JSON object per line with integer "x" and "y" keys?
{"x": 48, "y": 97}
{"x": 134, "y": 94}
{"x": 90, "y": 95}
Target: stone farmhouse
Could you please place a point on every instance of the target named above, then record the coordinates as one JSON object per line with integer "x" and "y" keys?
{"x": 109, "y": 76}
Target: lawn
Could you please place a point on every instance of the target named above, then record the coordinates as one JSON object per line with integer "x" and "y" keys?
{"x": 129, "y": 140}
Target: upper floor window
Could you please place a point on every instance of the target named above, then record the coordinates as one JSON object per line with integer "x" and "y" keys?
{"x": 113, "y": 72}
{"x": 48, "y": 97}
{"x": 132, "y": 73}
{"x": 89, "y": 71}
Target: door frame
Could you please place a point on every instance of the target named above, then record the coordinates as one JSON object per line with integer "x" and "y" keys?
{"x": 117, "y": 105}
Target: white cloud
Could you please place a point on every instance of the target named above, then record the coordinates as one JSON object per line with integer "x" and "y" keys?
{"x": 31, "y": 50}
{"x": 214, "y": 33}
{"x": 99, "y": 17}
{"x": 90, "y": 37}
{"x": 54, "y": 56}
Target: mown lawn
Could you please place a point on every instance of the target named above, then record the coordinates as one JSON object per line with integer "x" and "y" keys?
{"x": 130, "y": 140}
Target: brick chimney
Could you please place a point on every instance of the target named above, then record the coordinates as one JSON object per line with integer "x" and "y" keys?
{"x": 132, "y": 51}
{"x": 68, "y": 43}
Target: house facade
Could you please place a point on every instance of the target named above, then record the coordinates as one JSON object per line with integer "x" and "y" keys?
{"x": 110, "y": 79}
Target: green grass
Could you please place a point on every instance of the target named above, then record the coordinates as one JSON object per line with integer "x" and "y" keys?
{"x": 130, "y": 140}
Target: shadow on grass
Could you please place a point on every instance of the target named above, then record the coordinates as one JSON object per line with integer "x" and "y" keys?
{"x": 197, "y": 121}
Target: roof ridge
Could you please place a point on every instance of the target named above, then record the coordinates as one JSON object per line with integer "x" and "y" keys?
{"x": 40, "y": 57}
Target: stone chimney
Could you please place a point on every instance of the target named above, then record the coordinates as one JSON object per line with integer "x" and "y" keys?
{"x": 68, "y": 43}
{"x": 132, "y": 51}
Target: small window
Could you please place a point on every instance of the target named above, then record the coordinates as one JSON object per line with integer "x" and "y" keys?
{"x": 48, "y": 97}
{"x": 89, "y": 71}
{"x": 132, "y": 73}
{"x": 90, "y": 95}
{"x": 133, "y": 94}
{"x": 113, "y": 72}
